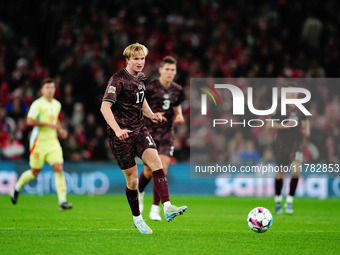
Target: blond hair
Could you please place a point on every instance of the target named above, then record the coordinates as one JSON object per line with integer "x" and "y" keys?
{"x": 133, "y": 49}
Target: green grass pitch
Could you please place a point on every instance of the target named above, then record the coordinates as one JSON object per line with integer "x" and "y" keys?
{"x": 212, "y": 225}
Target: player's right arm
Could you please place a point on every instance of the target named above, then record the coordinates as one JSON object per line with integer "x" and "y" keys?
{"x": 34, "y": 122}
{"x": 110, "y": 119}
{"x": 111, "y": 94}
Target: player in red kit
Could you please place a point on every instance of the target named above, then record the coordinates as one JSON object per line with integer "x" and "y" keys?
{"x": 122, "y": 107}
{"x": 163, "y": 95}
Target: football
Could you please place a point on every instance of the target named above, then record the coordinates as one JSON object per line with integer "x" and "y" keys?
{"x": 260, "y": 219}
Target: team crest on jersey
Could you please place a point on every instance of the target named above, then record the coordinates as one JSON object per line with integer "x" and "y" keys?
{"x": 166, "y": 96}
{"x": 112, "y": 90}
{"x": 141, "y": 87}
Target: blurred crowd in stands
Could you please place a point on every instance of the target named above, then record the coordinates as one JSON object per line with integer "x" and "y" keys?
{"x": 80, "y": 45}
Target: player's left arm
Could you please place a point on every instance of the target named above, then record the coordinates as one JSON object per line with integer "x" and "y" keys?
{"x": 61, "y": 131}
{"x": 176, "y": 106}
{"x": 179, "y": 119}
{"x": 305, "y": 127}
{"x": 155, "y": 117}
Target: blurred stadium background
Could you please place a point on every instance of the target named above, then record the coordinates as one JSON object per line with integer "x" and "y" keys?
{"x": 80, "y": 44}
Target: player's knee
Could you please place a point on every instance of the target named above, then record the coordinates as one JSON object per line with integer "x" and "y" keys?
{"x": 151, "y": 158}
{"x": 133, "y": 184}
{"x": 57, "y": 168}
{"x": 155, "y": 163}
{"x": 35, "y": 172}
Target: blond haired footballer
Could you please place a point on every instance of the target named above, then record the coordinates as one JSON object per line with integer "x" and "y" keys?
{"x": 122, "y": 107}
{"x": 44, "y": 144}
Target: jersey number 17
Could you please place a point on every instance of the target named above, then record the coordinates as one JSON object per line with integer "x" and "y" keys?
{"x": 140, "y": 96}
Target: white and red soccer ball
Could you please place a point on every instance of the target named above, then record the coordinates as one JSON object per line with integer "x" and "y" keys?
{"x": 260, "y": 219}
